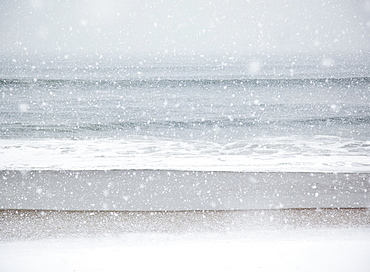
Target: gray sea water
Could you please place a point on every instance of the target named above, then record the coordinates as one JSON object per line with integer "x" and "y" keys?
{"x": 205, "y": 114}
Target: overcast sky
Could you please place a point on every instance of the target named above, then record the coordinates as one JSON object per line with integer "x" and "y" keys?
{"x": 186, "y": 27}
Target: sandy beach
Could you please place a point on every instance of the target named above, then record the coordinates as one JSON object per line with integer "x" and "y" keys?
{"x": 158, "y": 220}
{"x": 255, "y": 240}
{"x": 38, "y": 224}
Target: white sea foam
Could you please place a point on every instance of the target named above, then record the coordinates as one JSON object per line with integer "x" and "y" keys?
{"x": 292, "y": 154}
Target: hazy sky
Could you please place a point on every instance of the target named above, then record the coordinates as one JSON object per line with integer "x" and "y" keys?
{"x": 186, "y": 27}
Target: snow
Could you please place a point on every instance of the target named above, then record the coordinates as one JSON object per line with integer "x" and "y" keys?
{"x": 332, "y": 249}
{"x": 286, "y": 188}
{"x": 266, "y": 240}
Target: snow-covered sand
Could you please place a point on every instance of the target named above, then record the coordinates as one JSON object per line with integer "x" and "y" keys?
{"x": 269, "y": 240}
{"x": 271, "y": 250}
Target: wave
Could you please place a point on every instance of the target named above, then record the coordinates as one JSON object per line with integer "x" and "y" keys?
{"x": 347, "y": 120}
{"x": 293, "y": 153}
{"x": 175, "y": 83}
{"x": 230, "y": 125}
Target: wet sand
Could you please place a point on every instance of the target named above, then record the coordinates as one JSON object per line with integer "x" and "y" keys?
{"x": 167, "y": 190}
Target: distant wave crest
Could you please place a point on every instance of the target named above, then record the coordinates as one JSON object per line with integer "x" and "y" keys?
{"x": 191, "y": 124}
{"x": 175, "y": 83}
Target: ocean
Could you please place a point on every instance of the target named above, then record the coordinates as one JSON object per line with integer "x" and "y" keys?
{"x": 249, "y": 164}
{"x": 260, "y": 113}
